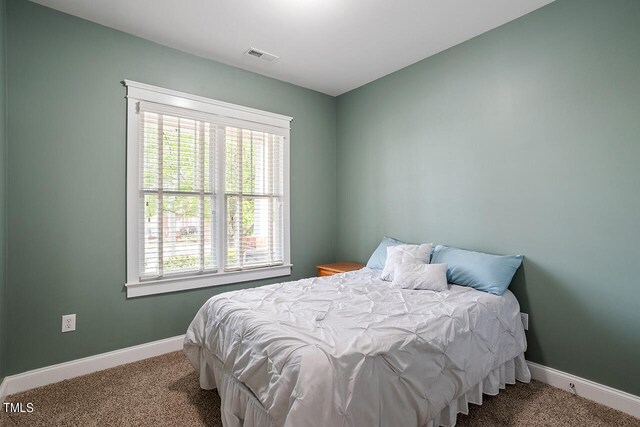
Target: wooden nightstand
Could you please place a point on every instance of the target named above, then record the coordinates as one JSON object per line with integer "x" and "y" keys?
{"x": 337, "y": 267}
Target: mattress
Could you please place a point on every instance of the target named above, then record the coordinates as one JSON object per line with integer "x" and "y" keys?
{"x": 352, "y": 350}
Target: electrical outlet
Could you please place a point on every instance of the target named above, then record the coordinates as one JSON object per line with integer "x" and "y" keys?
{"x": 525, "y": 320}
{"x": 68, "y": 322}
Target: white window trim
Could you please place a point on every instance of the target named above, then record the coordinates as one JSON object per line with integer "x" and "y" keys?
{"x": 261, "y": 120}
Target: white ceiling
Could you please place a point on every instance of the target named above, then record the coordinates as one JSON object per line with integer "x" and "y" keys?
{"x": 331, "y": 46}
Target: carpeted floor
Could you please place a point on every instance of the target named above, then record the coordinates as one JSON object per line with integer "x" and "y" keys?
{"x": 164, "y": 391}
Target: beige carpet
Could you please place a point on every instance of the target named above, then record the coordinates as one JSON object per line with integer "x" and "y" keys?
{"x": 163, "y": 391}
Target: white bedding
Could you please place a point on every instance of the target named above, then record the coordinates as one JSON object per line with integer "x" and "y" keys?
{"x": 352, "y": 350}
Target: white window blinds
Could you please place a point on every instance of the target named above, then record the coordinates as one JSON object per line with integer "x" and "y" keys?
{"x": 212, "y": 194}
{"x": 207, "y": 192}
{"x": 177, "y": 181}
{"x": 253, "y": 198}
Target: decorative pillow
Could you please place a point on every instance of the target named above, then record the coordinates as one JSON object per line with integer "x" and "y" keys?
{"x": 485, "y": 272}
{"x": 379, "y": 256}
{"x": 405, "y": 254}
{"x": 432, "y": 277}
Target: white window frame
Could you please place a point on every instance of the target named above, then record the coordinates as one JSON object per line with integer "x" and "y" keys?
{"x": 232, "y": 114}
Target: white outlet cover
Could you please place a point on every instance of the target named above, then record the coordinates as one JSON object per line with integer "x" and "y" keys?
{"x": 68, "y": 322}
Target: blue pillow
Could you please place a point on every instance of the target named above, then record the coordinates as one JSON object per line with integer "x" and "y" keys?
{"x": 485, "y": 272}
{"x": 379, "y": 256}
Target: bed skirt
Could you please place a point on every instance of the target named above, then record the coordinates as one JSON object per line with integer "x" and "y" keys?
{"x": 507, "y": 373}
{"x": 239, "y": 407}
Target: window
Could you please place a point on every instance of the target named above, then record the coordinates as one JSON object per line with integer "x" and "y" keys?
{"x": 207, "y": 192}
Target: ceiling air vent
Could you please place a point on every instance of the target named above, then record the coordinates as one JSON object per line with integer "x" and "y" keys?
{"x": 261, "y": 54}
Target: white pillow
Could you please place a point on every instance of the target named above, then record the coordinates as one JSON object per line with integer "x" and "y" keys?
{"x": 405, "y": 254}
{"x": 431, "y": 277}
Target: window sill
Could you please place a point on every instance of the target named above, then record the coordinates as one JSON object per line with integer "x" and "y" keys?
{"x": 152, "y": 287}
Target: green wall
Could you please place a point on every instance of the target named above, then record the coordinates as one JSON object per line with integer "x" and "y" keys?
{"x": 523, "y": 140}
{"x": 3, "y": 194}
{"x": 66, "y": 181}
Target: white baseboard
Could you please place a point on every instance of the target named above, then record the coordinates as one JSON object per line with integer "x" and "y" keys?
{"x": 75, "y": 368}
{"x": 599, "y": 393}
{"x": 3, "y": 389}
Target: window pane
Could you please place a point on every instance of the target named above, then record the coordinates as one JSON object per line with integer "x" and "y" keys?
{"x": 276, "y": 159}
{"x": 255, "y": 171}
{"x": 256, "y": 230}
{"x": 151, "y": 237}
{"x": 277, "y": 209}
{"x": 209, "y": 235}
{"x": 182, "y": 146}
{"x": 181, "y": 230}
{"x": 149, "y": 137}
{"x": 247, "y": 172}
{"x": 254, "y": 190}
{"x": 178, "y": 166}
{"x": 170, "y": 146}
{"x": 209, "y": 159}
{"x": 232, "y": 159}
{"x": 253, "y": 162}
{"x": 234, "y": 232}
{"x": 188, "y": 150}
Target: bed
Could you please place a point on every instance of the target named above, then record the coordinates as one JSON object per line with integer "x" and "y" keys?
{"x": 352, "y": 350}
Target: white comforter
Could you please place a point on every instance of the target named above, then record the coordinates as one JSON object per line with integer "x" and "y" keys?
{"x": 353, "y": 350}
